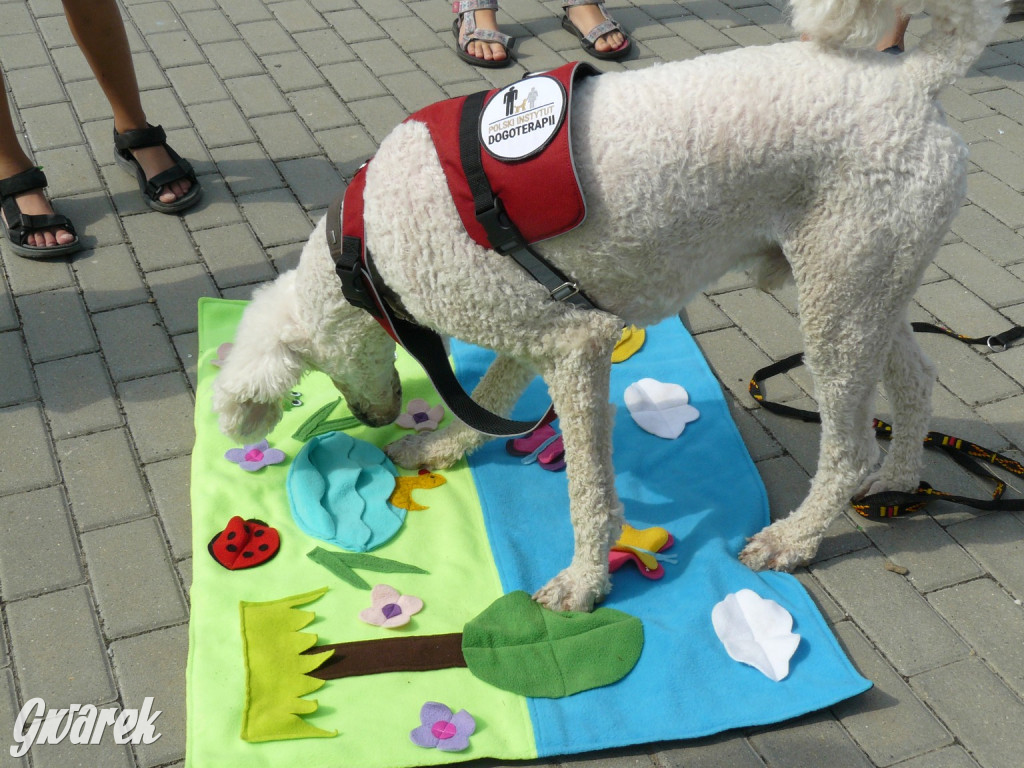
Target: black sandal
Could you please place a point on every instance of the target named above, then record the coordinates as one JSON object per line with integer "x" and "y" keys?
{"x": 154, "y": 136}
{"x": 18, "y": 226}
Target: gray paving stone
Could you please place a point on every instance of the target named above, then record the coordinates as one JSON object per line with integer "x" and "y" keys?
{"x": 950, "y": 757}
{"x": 276, "y": 218}
{"x": 903, "y": 627}
{"x": 38, "y": 550}
{"x": 154, "y": 599}
{"x": 314, "y": 180}
{"x": 232, "y": 253}
{"x": 730, "y": 750}
{"x": 31, "y": 465}
{"x": 58, "y": 652}
{"x": 320, "y": 108}
{"x": 379, "y": 115}
{"x": 357, "y": 25}
{"x": 140, "y": 677}
{"x": 997, "y": 198}
{"x": 829, "y": 608}
{"x": 347, "y": 147}
{"x": 413, "y": 90}
{"x": 169, "y": 481}
{"x": 233, "y": 59}
{"x": 220, "y": 123}
{"x": 1005, "y": 416}
{"x": 266, "y": 37}
{"x": 136, "y": 343}
{"x": 997, "y": 543}
{"x": 209, "y": 26}
{"x": 242, "y": 11}
{"x": 174, "y": 49}
{"x": 56, "y": 325}
{"x": 888, "y": 721}
{"x": 802, "y": 744}
{"x": 77, "y": 395}
{"x": 9, "y": 709}
{"x": 8, "y": 317}
{"x": 217, "y": 209}
{"x": 109, "y": 278}
{"x": 187, "y": 347}
{"x": 153, "y": 407}
{"x": 177, "y": 291}
{"x": 67, "y": 755}
{"x": 247, "y": 169}
{"x": 734, "y": 358}
{"x": 102, "y": 480}
{"x": 297, "y": 16}
{"x": 771, "y": 327}
{"x": 991, "y": 622}
{"x": 16, "y": 384}
{"x": 257, "y": 95}
{"x": 27, "y": 276}
{"x": 197, "y": 84}
{"x": 985, "y": 279}
{"x": 920, "y": 544}
{"x": 284, "y": 136}
{"x": 984, "y": 713}
{"x": 159, "y": 241}
{"x": 37, "y": 86}
{"x": 353, "y": 81}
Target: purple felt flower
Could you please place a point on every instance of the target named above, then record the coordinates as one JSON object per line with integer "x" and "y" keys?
{"x": 443, "y": 730}
{"x": 253, "y": 457}
{"x": 420, "y": 416}
{"x": 389, "y": 608}
{"x": 222, "y": 354}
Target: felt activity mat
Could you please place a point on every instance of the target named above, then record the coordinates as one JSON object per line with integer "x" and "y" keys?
{"x": 349, "y": 613}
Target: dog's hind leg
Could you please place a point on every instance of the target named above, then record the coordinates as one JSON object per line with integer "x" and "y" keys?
{"x": 908, "y": 377}
{"x": 497, "y": 391}
{"x": 845, "y": 347}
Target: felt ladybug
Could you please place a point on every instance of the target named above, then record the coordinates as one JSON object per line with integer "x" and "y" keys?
{"x": 244, "y": 544}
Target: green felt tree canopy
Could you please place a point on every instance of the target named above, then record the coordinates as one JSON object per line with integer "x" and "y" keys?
{"x": 519, "y": 646}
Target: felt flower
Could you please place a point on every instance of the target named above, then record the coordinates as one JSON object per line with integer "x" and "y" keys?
{"x": 253, "y": 457}
{"x": 389, "y": 608}
{"x": 222, "y": 354}
{"x": 420, "y": 416}
{"x": 443, "y": 730}
{"x": 642, "y": 546}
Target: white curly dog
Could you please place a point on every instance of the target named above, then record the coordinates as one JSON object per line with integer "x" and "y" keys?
{"x": 817, "y": 158}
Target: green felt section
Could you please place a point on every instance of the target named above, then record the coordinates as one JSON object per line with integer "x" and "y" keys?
{"x": 275, "y": 668}
{"x": 373, "y": 715}
{"x": 522, "y": 647}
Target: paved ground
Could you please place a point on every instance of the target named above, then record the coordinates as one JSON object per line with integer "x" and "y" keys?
{"x": 277, "y": 103}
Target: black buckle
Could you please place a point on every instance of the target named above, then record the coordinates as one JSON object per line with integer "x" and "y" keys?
{"x": 499, "y": 227}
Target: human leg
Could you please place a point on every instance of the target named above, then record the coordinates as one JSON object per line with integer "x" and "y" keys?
{"x": 32, "y": 202}
{"x": 893, "y": 41}
{"x": 99, "y": 32}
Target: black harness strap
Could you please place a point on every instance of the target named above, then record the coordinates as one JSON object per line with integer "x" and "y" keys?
{"x": 963, "y": 452}
{"x": 501, "y": 232}
{"x": 354, "y": 267}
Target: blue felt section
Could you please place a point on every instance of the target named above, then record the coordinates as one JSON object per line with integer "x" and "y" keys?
{"x": 703, "y": 488}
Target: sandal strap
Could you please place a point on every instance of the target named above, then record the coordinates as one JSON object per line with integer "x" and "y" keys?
{"x": 470, "y": 31}
{"x": 464, "y": 6}
{"x": 26, "y": 181}
{"x": 140, "y": 138}
{"x": 21, "y": 225}
{"x": 182, "y": 169}
{"x": 570, "y": 3}
{"x": 606, "y": 26}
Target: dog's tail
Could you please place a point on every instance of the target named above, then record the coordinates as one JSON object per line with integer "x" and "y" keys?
{"x": 960, "y": 30}
{"x": 262, "y": 366}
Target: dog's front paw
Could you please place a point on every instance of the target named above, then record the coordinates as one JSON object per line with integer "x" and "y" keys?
{"x": 426, "y": 450}
{"x": 247, "y": 421}
{"x": 883, "y": 480}
{"x": 574, "y": 590}
{"x": 779, "y": 547}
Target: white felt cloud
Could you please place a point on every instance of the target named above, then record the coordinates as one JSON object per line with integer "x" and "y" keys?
{"x": 661, "y": 408}
{"x": 756, "y": 631}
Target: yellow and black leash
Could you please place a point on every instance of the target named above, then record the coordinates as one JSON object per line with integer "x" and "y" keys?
{"x": 970, "y": 456}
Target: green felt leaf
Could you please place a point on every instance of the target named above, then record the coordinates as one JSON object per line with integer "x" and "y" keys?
{"x": 319, "y": 424}
{"x": 276, "y": 670}
{"x": 518, "y": 645}
{"x": 342, "y": 563}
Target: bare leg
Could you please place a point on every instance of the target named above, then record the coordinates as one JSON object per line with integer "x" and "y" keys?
{"x": 100, "y": 33}
{"x": 894, "y": 37}
{"x": 13, "y": 160}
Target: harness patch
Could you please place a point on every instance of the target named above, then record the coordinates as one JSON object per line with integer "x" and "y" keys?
{"x": 523, "y": 118}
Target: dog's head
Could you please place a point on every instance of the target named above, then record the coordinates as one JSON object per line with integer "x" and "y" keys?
{"x": 369, "y": 382}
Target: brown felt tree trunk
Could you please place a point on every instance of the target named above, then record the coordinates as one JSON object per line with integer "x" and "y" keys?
{"x": 393, "y": 654}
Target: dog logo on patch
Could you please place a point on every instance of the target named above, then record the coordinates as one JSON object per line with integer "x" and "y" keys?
{"x": 521, "y": 119}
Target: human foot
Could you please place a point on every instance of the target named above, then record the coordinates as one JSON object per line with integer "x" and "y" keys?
{"x": 29, "y": 221}
{"x": 167, "y": 182}
{"x": 155, "y": 160}
{"x": 586, "y": 19}
{"x": 477, "y": 38}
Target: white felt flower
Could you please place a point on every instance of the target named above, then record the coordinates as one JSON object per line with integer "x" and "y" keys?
{"x": 756, "y": 631}
{"x": 661, "y": 408}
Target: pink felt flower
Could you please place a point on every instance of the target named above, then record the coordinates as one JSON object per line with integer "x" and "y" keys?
{"x": 222, "y": 354}
{"x": 389, "y": 608}
{"x": 420, "y": 416}
{"x": 253, "y": 457}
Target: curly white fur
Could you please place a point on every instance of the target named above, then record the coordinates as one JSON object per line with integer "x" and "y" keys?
{"x": 838, "y": 159}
